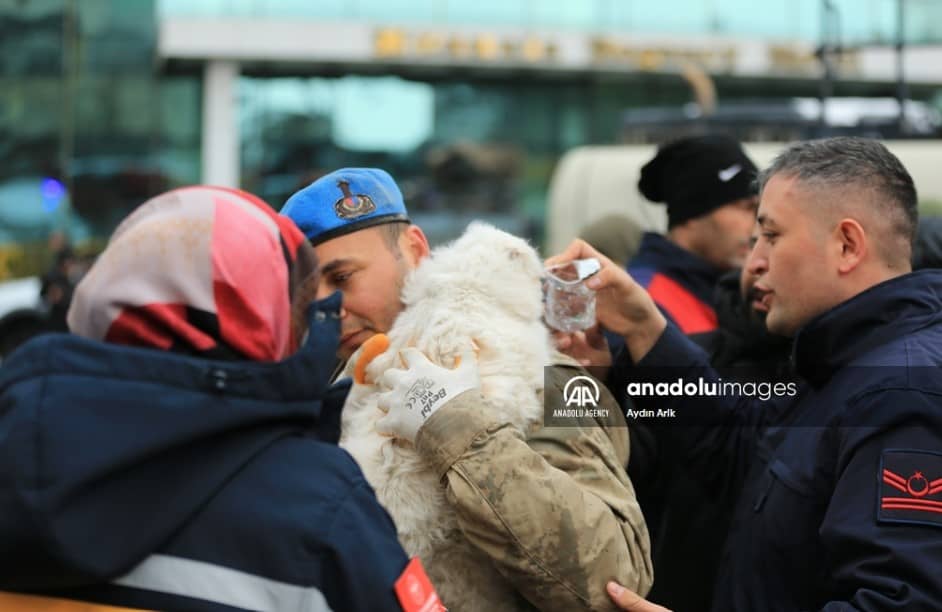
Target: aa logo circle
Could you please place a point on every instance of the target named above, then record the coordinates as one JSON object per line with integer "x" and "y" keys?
{"x": 581, "y": 391}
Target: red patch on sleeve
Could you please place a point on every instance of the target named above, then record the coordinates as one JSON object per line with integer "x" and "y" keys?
{"x": 910, "y": 487}
{"x": 415, "y": 590}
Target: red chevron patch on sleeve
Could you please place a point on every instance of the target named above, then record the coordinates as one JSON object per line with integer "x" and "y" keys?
{"x": 910, "y": 487}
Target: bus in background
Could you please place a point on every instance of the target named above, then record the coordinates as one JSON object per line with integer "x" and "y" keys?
{"x": 594, "y": 181}
{"x": 786, "y": 120}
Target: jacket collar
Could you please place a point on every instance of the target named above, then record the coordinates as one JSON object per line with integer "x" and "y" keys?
{"x": 849, "y": 331}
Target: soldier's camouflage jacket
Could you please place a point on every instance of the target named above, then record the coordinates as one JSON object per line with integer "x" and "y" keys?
{"x": 555, "y": 512}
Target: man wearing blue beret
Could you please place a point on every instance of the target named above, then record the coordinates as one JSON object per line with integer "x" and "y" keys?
{"x": 555, "y": 513}
{"x": 356, "y": 220}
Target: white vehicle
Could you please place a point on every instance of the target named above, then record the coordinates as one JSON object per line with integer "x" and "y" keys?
{"x": 591, "y": 182}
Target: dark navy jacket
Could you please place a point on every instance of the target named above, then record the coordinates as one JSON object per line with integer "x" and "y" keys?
{"x": 683, "y": 286}
{"x": 681, "y": 283}
{"x": 144, "y": 479}
{"x": 840, "y": 493}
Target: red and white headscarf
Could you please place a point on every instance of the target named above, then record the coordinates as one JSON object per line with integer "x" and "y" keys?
{"x": 202, "y": 270}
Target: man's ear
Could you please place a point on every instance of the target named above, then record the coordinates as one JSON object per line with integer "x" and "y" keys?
{"x": 853, "y": 242}
{"x": 414, "y": 244}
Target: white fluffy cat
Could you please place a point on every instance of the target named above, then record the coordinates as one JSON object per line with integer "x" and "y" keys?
{"x": 483, "y": 290}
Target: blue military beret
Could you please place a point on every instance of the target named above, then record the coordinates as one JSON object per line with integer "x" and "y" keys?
{"x": 345, "y": 201}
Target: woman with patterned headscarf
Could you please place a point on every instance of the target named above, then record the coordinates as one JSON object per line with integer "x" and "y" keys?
{"x": 179, "y": 450}
{"x": 202, "y": 270}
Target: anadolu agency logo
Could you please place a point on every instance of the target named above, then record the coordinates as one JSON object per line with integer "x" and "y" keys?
{"x": 581, "y": 395}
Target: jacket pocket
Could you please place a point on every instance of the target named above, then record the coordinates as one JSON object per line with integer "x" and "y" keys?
{"x": 792, "y": 482}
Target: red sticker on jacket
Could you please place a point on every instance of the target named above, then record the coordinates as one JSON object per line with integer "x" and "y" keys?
{"x": 911, "y": 487}
{"x": 415, "y": 590}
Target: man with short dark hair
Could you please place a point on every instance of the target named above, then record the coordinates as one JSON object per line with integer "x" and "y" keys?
{"x": 356, "y": 221}
{"x": 841, "y": 499}
{"x": 550, "y": 511}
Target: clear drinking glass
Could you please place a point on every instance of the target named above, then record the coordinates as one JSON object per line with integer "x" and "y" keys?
{"x": 568, "y": 304}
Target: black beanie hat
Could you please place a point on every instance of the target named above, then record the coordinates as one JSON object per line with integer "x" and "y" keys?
{"x": 696, "y": 175}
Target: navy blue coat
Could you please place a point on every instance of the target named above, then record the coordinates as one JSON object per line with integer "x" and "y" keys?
{"x": 145, "y": 479}
{"x": 839, "y": 488}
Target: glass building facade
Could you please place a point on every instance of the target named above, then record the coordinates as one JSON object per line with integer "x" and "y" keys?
{"x": 88, "y": 129}
{"x": 859, "y": 21}
{"x": 460, "y": 148}
{"x": 93, "y": 120}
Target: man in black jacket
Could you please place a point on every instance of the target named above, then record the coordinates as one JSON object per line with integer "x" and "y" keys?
{"x": 687, "y": 548}
{"x": 840, "y": 497}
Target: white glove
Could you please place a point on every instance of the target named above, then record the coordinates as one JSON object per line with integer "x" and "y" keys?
{"x": 413, "y": 395}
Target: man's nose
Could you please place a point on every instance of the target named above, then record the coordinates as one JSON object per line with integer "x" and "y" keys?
{"x": 756, "y": 261}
